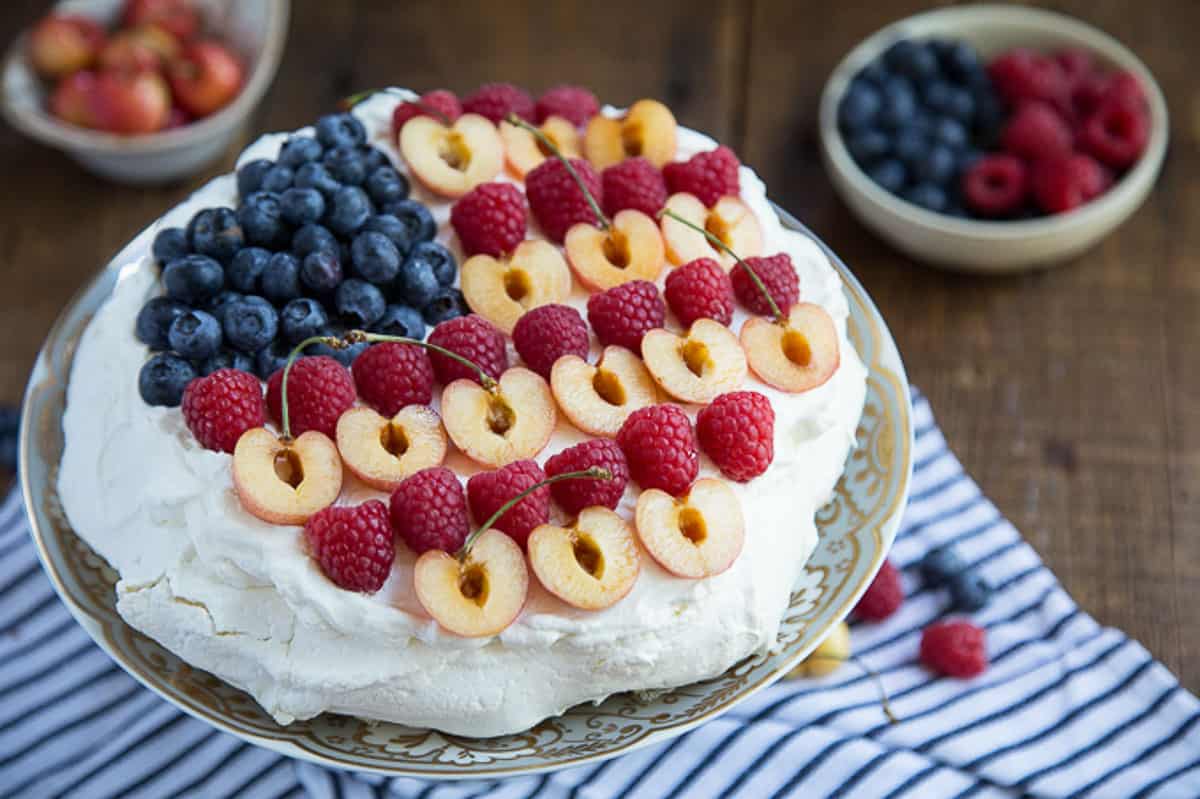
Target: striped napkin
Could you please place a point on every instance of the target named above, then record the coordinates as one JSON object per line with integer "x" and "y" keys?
{"x": 1068, "y": 708}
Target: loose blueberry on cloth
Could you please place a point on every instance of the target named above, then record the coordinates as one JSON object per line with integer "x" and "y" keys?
{"x": 1065, "y": 708}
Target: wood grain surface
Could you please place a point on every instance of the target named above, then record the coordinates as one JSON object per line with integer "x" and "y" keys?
{"x": 1072, "y": 395}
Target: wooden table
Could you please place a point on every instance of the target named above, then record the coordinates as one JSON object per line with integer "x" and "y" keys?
{"x": 1072, "y": 396}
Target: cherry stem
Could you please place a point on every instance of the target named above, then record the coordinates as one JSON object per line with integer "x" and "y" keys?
{"x": 874, "y": 675}
{"x": 594, "y": 473}
{"x": 359, "y": 336}
{"x": 332, "y": 341}
{"x": 716, "y": 241}
{"x": 601, "y": 219}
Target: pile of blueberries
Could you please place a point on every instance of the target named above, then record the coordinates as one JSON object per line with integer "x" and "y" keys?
{"x": 917, "y": 117}
{"x": 324, "y": 239}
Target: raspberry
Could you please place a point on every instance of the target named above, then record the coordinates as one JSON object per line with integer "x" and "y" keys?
{"x": 1116, "y": 134}
{"x": 700, "y": 289}
{"x": 955, "y": 648}
{"x": 1076, "y": 64}
{"x": 548, "y": 332}
{"x": 622, "y": 315}
{"x": 1061, "y": 184}
{"x": 441, "y": 101}
{"x": 391, "y": 375}
{"x": 738, "y": 432}
{"x": 883, "y": 596}
{"x": 1023, "y": 75}
{"x": 429, "y": 511}
{"x": 497, "y": 100}
{"x": 487, "y": 491}
{"x": 996, "y": 185}
{"x": 660, "y": 447}
{"x": 779, "y": 276}
{"x": 1037, "y": 131}
{"x": 475, "y": 339}
{"x": 220, "y": 407}
{"x": 555, "y": 198}
{"x": 490, "y": 219}
{"x": 1124, "y": 87}
{"x": 573, "y": 103}
{"x": 710, "y": 176}
{"x": 575, "y": 495}
{"x": 320, "y": 390}
{"x": 633, "y": 183}
{"x": 354, "y": 546}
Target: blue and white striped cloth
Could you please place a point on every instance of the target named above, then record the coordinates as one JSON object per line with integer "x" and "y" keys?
{"x": 1068, "y": 708}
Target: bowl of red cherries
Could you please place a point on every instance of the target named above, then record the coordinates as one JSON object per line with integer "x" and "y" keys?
{"x": 992, "y": 138}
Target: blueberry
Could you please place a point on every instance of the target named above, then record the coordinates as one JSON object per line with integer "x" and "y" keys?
{"x": 937, "y": 166}
{"x": 391, "y": 227}
{"x": 956, "y": 210}
{"x": 417, "y": 283}
{"x": 349, "y": 210}
{"x": 193, "y": 279}
{"x": 911, "y": 146}
{"x": 375, "y": 258}
{"x": 915, "y": 60}
{"x": 374, "y": 158}
{"x": 890, "y": 174}
{"x": 415, "y": 217}
{"x": 163, "y": 379}
{"x": 859, "y": 106}
{"x": 250, "y": 324}
{"x": 960, "y": 61}
{"x": 868, "y": 146}
{"x": 261, "y": 216}
{"x": 874, "y": 73}
{"x": 447, "y": 303}
{"x": 301, "y": 318}
{"x": 216, "y": 232}
{"x": 281, "y": 279}
{"x": 169, "y": 244}
{"x": 989, "y": 119}
{"x": 926, "y": 195}
{"x": 346, "y": 165}
{"x": 941, "y": 565}
{"x": 961, "y": 105}
{"x": 227, "y": 359}
{"x": 277, "y": 179}
{"x": 271, "y": 358}
{"x": 311, "y": 238}
{"x": 949, "y": 132}
{"x": 195, "y": 335}
{"x": 316, "y": 176}
{"x": 10, "y": 420}
{"x": 340, "y": 130}
{"x": 384, "y": 184}
{"x": 299, "y": 150}
{"x": 967, "y": 158}
{"x": 245, "y": 273}
{"x": 401, "y": 320}
{"x": 936, "y": 95}
{"x": 216, "y": 305}
{"x": 970, "y": 591}
{"x": 154, "y": 320}
{"x": 445, "y": 267}
{"x": 301, "y": 206}
{"x": 320, "y": 272}
{"x": 949, "y": 101}
{"x": 359, "y": 303}
{"x": 899, "y": 102}
{"x": 250, "y": 176}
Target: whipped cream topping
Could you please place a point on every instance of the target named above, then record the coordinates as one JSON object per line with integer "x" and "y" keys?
{"x": 243, "y": 599}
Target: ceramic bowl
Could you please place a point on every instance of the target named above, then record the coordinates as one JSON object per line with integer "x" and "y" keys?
{"x": 991, "y": 246}
{"x": 255, "y": 29}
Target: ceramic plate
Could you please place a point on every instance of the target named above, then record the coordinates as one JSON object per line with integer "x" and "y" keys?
{"x": 856, "y": 531}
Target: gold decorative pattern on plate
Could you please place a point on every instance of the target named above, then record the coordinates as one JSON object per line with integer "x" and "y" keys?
{"x": 855, "y": 530}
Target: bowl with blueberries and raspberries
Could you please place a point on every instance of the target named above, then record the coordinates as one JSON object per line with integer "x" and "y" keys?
{"x": 992, "y": 138}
